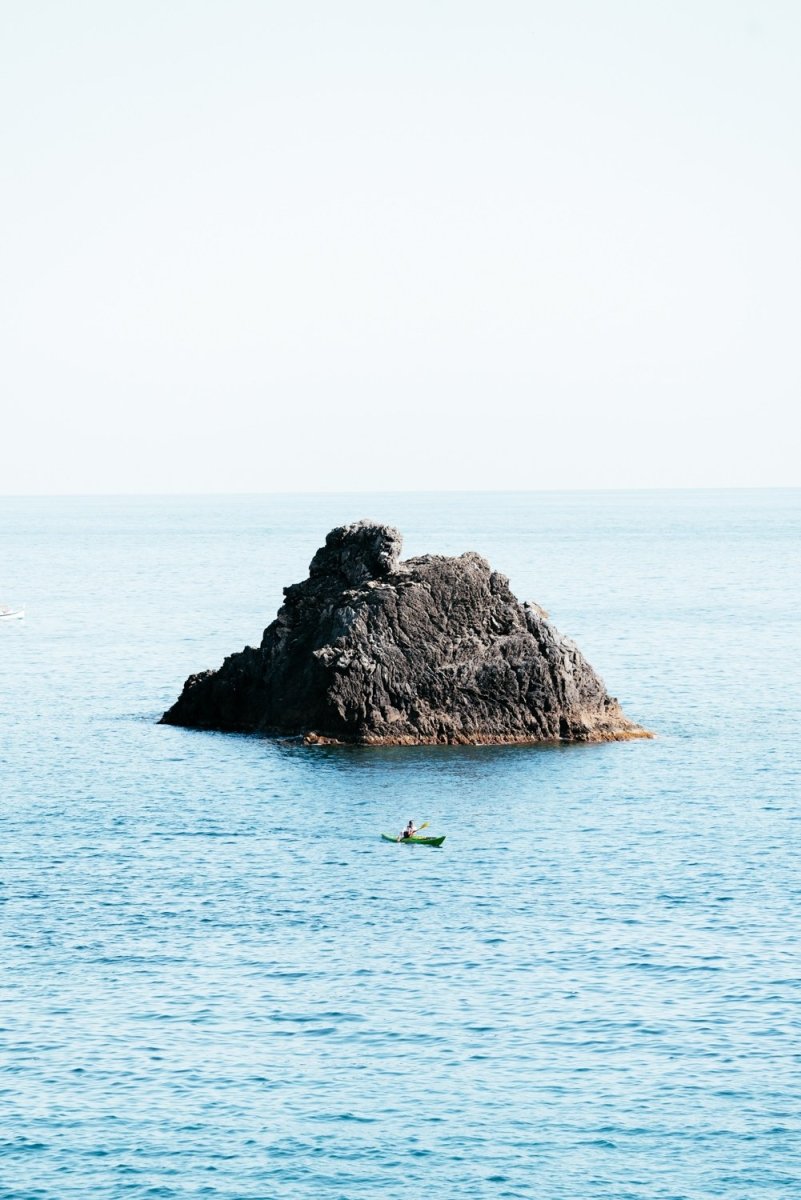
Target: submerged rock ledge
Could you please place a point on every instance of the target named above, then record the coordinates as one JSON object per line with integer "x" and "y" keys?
{"x": 375, "y": 651}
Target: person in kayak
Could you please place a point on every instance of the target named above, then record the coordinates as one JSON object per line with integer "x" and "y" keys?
{"x": 410, "y": 830}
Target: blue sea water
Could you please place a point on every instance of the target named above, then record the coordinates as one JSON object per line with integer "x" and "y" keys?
{"x": 218, "y": 982}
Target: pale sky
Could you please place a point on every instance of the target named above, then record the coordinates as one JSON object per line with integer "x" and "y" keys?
{"x": 253, "y": 246}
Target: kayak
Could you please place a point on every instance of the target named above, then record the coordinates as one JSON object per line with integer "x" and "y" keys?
{"x": 418, "y": 841}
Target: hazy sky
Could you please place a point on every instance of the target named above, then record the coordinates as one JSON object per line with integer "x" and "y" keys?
{"x": 296, "y": 245}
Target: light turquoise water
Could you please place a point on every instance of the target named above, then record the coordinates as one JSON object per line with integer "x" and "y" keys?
{"x": 218, "y": 982}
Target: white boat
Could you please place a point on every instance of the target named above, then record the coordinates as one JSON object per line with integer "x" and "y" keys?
{"x": 11, "y": 614}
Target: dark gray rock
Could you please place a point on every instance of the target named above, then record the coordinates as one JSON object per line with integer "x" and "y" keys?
{"x": 372, "y": 650}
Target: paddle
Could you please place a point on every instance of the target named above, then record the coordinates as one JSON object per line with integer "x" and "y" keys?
{"x": 425, "y": 825}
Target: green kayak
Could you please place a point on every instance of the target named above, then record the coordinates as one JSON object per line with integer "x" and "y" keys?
{"x": 418, "y": 841}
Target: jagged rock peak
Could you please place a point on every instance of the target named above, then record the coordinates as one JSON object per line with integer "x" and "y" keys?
{"x": 375, "y": 651}
{"x": 358, "y": 552}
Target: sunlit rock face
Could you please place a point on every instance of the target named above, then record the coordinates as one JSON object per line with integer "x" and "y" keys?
{"x": 373, "y": 650}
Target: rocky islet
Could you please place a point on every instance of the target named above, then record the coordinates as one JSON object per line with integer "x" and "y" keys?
{"x": 376, "y": 651}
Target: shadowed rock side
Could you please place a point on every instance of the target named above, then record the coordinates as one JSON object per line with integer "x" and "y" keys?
{"x": 375, "y": 651}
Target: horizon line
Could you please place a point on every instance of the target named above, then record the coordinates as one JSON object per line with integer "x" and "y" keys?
{"x": 401, "y": 492}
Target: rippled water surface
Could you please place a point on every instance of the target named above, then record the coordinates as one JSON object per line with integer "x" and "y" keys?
{"x": 218, "y": 982}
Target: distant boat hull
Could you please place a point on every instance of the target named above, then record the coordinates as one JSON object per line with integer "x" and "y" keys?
{"x": 417, "y": 841}
{"x": 12, "y": 614}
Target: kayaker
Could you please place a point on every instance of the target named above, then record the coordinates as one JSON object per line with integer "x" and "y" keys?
{"x": 410, "y": 830}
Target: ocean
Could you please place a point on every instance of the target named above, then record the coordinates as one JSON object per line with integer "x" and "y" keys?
{"x": 218, "y": 982}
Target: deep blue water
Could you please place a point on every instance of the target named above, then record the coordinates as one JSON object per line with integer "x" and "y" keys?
{"x": 218, "y": 982}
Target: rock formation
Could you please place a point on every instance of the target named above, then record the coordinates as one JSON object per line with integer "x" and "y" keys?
{"x": 372, "y": 650}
